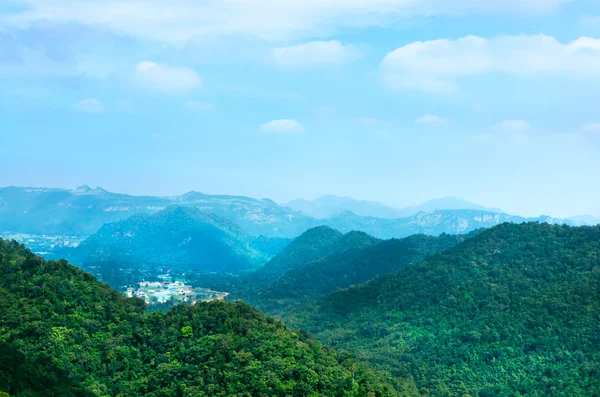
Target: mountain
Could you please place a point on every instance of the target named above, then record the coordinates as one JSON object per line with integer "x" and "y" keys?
{"x": 583, "y": 220}
{"x": 176, "y": 237}
{"x": 320, "y": 277}
{"x": 432, "y": 223}
{"x": 449, "y": 203}
{"x": 65, "y": 334}
{"x": 514, "y": 311}
{"x": 314, "y": 244}
{"x": 330, "y": 206}
{"x": 72, "y": 215}
{"x": 82, "y": 211}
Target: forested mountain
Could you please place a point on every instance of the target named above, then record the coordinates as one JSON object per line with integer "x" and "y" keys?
{"x": 64, "y": 334}
{"x": 315, "y": 243}
{"x": 322, "y": 276}
{"x": 514, "y": 311}
{"x": 176, "y": 237}
{"x": 312, "y": 245}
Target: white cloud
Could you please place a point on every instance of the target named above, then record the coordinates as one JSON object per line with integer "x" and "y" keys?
{"x": 151, "y": 76}
{"x": 315, "y": 54}
{"x": 431, "y": 120}
{"x": 517, "y": 126}
{"x": 436, "y": 66}
{"x": 182, "y": 20}
{"x": 196, "y": 106}
{"x": 90, "y": 106}
{"x": 286, "y": 126}
{"x": 593, "y": 128}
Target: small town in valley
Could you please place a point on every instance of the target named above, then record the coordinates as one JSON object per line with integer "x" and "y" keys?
{"x": 167, "y": 290}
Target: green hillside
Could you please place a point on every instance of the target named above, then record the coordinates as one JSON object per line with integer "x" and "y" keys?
{"x": 64, "y": 334}
{"x": 315, "y": 243}
{"x": 177, "y": 237}
{"x": 514, "y": 311}
{"x": 341, "y": 270}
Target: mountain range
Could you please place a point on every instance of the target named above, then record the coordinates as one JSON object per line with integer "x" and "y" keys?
{"x": 83, "y": 211}
{"x": 512, "y": 311}
{"x": 309, "y": 278}
{"x": 65, "y": 334}
{"x": 328, "y": 206}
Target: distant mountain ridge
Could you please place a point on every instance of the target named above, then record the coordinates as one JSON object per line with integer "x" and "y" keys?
{"x": 330, "y": 206}
{"x": 583, "y": 220}
{"x": 83, "y": 211}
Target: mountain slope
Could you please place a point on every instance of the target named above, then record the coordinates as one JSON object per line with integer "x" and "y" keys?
{"x": 315, "y": 243}
{"x": 177, "y": 237}
{"x": 64, "y": 334}
{"x": 513, "y": 311}
{"x": 341, "y": 270}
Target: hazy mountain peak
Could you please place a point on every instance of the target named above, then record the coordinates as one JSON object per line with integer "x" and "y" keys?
{"x": 86, "y": 189}
{"x": 330, "y": 205}
{"x": 588, "y": 220}
{"x": 452, "y": 203}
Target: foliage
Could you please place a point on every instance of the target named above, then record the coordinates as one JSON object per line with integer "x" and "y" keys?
{"x": 341, "y": 270}
{"x": 514, "y": 311}
{"x": 62, "y": 333}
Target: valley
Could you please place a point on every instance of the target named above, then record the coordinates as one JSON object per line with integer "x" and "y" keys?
{"x": 428, "y": 311}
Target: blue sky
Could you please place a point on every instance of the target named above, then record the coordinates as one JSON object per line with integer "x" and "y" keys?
{"x": 396, "y": 101}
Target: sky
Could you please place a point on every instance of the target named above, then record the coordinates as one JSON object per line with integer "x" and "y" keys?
{"x": 397, "y": 101}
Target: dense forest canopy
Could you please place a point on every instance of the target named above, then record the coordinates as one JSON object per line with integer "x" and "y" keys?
{"x": 62, "y": 333}
{"x": 310, "y": 280}
{"x": 514, "y": 311}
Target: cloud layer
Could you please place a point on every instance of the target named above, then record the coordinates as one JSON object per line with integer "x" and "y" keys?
{"x": 438, "y": 65}
{"x": 431, "y": 120}
{"x": 315, "y": 54}
{"x": 181, "y": 20}
{"x": 90, "y": 106}
{"x": 282, "y": 127}
{"x": 165, "y": 79}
